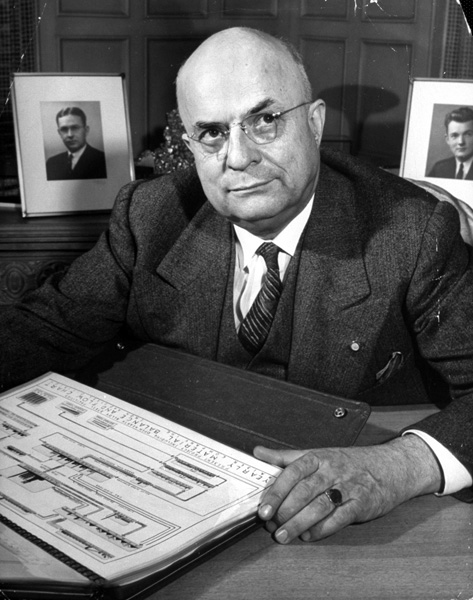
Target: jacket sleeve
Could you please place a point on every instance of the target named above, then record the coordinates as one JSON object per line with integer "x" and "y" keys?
{"x": 440, "y": 306}
{"x": 67, "y": 321}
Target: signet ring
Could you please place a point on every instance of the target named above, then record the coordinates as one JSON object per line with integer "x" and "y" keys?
{"x": 335, "y": 496}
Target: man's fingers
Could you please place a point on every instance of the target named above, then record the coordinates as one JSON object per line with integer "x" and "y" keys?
{"x": 316, "y": 511}
{"x": 280, "y": 458}
{"x": 276, "y": 493}
{"x": 338, "y": 519}
{"x": 294, "y": 489}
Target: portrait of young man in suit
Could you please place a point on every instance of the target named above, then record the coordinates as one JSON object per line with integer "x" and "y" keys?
{"x": 81, "y": 160}
{"x": 459, "y": 139}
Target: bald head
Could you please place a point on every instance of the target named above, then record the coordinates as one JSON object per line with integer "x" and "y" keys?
{"x": 242, "y": 51}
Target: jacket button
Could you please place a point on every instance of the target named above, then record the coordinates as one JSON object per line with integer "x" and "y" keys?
{"x": 355, "y": 346}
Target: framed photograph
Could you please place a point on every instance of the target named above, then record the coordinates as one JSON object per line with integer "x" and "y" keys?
{"x": 73, "y": 141}
{"x": 438, "y": 135}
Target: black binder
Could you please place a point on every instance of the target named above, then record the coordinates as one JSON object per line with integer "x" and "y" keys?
{"x": 233, "y": 406}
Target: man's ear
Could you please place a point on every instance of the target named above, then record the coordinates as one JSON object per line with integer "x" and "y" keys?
{"x": 87, "y": 129}
{"x": 317, "y": 119}
{"x": 186, "y": 140}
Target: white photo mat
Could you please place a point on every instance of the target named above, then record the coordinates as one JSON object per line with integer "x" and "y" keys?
{"x": 430, "y": 100}
{"x": 37, "y": 98}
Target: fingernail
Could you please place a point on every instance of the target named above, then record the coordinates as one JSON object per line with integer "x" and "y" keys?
{"x": 281, "y": 536}
{"x": 265, "y": 511}
{"x": 271, "y": 526}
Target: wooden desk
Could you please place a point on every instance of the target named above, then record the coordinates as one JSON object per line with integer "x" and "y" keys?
{"x": 422, "y": 550}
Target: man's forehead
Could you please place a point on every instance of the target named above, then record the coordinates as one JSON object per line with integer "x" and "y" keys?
{"x": 69, "y": 118}
{"x": 223, "y": 83}
{"x": 226, "y": 112}
{"x": 234, "y": 96}
{"x": 457, "y": 126}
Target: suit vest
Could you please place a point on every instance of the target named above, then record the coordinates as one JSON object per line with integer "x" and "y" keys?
{"x": 273, "y": 358}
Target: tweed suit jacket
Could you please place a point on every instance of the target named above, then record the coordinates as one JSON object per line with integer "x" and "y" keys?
{"x": 447, "y": 168}
{"x": 91, "y": 165}
{"x": 383, "y": 310}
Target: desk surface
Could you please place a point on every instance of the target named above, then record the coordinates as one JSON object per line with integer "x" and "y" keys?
{"x": 421, "y": 550}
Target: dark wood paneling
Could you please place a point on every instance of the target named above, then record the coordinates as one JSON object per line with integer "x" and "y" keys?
{"x": 31, "y": 249}
{"x": 392, "y": 10}
{"x": 177, "y": 8}
{"x": 94, "y": 55}
{"x": 250, "y": 8}
{"x": 325, "y": 62}
{"x": 94, "y": 8}
{"x": 321, "y": 9}
{"x": 382, "y": 99}
{"x": 164, "y": 57}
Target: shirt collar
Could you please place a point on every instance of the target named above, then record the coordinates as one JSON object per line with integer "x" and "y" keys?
{"x": 79, "y": 153}
{"x": 466, "y": 164}
{"x": 286, "y": 240}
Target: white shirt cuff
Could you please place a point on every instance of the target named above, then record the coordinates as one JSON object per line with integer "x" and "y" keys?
{"x": 457, "y": 477}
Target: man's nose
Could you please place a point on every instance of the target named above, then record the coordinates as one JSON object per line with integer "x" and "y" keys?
{"x": 241, "y": 151}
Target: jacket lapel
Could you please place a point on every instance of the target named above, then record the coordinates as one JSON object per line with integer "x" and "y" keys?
{"x": 197, "y": 268}
{"x": 332, "y": 281}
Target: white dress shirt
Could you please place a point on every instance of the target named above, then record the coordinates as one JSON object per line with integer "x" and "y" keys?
{"x": 76, "y": 156}
{"x": 250, "y": 269}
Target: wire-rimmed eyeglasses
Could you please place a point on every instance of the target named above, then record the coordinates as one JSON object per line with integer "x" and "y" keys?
{"x": 261, "y": 128}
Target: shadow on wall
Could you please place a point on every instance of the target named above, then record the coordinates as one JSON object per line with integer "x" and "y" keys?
{"x": 362, "y": 110}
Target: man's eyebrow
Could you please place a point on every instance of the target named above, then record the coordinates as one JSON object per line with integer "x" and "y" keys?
{"x": 266, "y": 103}
{"x": 208, "y": 124}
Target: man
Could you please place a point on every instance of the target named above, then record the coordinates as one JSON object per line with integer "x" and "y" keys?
{"x": 81, "y": 161}
{"x": 459, "y": 138}
{"x": 371, "y": 282}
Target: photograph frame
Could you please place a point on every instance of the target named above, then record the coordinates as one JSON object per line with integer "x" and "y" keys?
{"x": 428, "y": 157}
{"x": 93, "y": 111}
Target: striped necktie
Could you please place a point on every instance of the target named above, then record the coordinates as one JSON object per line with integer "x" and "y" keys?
{"x": 460, "y": 172}
{"x": 255, "y": 327}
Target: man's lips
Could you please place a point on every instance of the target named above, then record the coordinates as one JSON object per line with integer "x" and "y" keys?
{"x": 249, "y": 187}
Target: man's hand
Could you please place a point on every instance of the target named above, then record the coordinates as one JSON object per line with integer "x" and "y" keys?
{"x": 372, "y": 481}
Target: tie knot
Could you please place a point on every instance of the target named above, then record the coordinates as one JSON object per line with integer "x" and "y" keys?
{"x": 269, "y": 252}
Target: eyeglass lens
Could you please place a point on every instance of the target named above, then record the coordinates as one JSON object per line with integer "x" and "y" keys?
{"x": 261, "y": 128}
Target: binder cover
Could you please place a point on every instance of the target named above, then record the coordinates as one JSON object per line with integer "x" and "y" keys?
{"x": 236, "y": 407}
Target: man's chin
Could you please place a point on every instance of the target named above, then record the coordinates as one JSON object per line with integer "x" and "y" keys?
{"x": 252, "y": 207}
{"x": 259, "y": 221}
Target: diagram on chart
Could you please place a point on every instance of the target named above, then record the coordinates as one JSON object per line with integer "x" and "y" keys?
{"x": 109, "y": 479}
